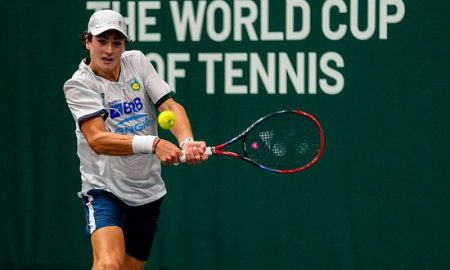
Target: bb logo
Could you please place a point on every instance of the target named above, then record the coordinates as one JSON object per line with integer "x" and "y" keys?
{"x": 124, "y": 108}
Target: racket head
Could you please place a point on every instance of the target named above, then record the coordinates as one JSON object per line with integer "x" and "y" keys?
{"x": 287, "y": 141}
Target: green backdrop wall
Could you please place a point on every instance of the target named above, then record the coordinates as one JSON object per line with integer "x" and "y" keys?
{"x": 378, "y": 199}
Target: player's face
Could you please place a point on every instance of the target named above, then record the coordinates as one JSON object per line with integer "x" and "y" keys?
{"x": 105, "y": 51}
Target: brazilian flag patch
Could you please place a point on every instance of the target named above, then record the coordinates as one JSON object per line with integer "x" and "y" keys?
{"x": 134, "y": 84}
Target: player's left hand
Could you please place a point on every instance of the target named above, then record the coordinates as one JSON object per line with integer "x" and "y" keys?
{"x": 195, "y": 152}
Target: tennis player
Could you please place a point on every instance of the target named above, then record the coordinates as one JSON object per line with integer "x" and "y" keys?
{"x": 112, "y": 97}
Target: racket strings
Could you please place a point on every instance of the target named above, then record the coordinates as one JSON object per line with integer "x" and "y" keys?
{"x": 284, "y": 141}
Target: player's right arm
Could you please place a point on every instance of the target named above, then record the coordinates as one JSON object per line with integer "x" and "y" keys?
{"x": 104, "y": 142}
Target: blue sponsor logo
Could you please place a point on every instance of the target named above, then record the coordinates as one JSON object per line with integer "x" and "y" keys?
{"x": 132, "y": 124}
{"x": 124, "y": 108}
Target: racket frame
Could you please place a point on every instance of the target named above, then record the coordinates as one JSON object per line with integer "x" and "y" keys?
{"x": 219, "y": 149}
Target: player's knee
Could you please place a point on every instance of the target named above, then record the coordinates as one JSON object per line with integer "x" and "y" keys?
{"x": 108, "y": 264}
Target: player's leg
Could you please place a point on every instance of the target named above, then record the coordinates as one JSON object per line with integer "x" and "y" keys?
{"x": 108, "y": 247}
{"x": 132, "y": 263}
{"x": 105, "y": 222}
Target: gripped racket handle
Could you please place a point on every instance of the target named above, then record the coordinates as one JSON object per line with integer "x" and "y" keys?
{"x": 182, "y": 158}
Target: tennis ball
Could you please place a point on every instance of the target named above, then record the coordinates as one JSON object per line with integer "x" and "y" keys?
{"x": 166, "y": 119}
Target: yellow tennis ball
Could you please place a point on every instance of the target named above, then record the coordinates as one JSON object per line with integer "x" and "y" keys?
{"x": 166, "y": 119}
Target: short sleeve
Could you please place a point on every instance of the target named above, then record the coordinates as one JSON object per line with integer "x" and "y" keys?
{"x": 83, "y": 102}
{"x": 155, "y": 86}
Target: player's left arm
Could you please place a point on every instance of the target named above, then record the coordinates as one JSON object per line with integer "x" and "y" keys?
{"x": 194, "y": 150}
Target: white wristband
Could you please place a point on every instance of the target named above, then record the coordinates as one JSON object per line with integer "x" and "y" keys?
{"x": 187, "y": 140}
{"x": 143, "y": 144}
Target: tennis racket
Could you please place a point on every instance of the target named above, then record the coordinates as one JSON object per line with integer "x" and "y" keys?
{"x": 287, "y": 141}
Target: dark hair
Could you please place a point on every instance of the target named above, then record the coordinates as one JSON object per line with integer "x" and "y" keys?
{"x": 84, "y": 36}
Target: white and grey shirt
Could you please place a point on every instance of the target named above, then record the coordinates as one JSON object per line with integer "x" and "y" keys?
{"x": 128, "y": 107}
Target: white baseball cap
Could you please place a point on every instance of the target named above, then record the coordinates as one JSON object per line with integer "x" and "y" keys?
{"x": 105, "y": 20}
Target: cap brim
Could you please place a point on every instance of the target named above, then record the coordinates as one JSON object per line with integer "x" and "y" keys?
{"x": 99, "y": 30}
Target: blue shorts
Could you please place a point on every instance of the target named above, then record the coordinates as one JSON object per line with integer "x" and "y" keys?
{"x": 138, "y": 223}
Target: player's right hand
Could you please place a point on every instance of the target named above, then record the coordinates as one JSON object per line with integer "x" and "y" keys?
{"x": 167, "y": 152}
